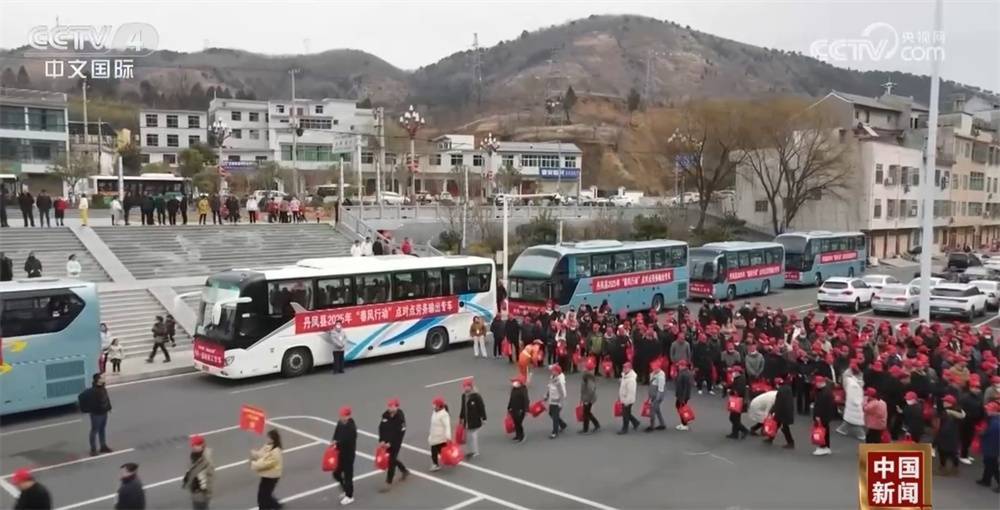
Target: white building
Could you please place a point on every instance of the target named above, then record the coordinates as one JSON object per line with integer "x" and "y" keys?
{"x": 542, "y": 167}
{"x": 34, "y": 135}
{"x": 163, "y": 134}
{"x": 248, "y": 125}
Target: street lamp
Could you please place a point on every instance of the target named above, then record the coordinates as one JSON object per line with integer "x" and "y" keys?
{"x": 219, "y": 131}
{"x": 491, "y": 145}
{"x": 412, "y": 121}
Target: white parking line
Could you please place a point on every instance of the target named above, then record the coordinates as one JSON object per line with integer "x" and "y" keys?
{"x": 504, "y": 476}
{"x": 449, "y": 381}
{"x": 408, "y": 361}
{"x": 317, "y": 490}
{"x": 987, "y": 321}
{"x": 154, "y": 379}
{"x": 255, "y": 388}
{"x": 40, "y": 427}
{"x": 179, "y": 478}
{"x": 796, "y": 307}
{"x": 76, "y": 461}
{"x": 465, "y": 503}
{"x": 9, "y": 489}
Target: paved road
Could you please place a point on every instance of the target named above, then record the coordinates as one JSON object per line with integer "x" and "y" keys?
{"x": 695, "y": 469}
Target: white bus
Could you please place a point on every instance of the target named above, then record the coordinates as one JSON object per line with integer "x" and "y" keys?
{"x": 154, "y": 183}
{"x": 253, "y": 322}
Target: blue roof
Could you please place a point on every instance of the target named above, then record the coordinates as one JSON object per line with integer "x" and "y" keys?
{"x": 604, "y": 245}
{"x": 820, "y": 233}
{"x": 740, "y": 245}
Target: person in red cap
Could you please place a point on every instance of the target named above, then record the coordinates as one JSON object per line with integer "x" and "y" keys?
{"x": 517, "y": 405}
{"x": 472, "y": 415}
{"x": 682, "y": 389}
{"x": 824, "y": 411}
{"x": 876, "y": 416}
{"x": 912, "y": 412}
{"x": 198, "y": 477}
{"x": 555, "y": 396}
{"x": 345, "y": 438}
{"x": 391, "y": 431}
{"x": 626, "y": 394}
{"x": 947, "y": 439}
{"x": 34, "y": 496}
{"x": 989, "y": 445}
{"x": 970, "y": 400}
{"x": 993, "y": 392}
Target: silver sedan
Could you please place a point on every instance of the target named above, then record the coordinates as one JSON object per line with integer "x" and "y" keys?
{"x": 897, "y": 298}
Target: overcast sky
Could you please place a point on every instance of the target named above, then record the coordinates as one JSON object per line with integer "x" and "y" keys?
{"x": 413, "y": 33}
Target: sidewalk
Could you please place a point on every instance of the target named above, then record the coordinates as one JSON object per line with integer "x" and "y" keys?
{"x": 136, "y": 369}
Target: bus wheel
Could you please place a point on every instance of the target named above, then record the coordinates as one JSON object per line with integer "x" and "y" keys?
{"x": 437, "y": 340}
{"x": 296, "y": 362}
{"x": 765, "y": 289}
{"x": 657, "y": 304}
{"x": 850, "y": 272}
{"x": 731, "y": 293}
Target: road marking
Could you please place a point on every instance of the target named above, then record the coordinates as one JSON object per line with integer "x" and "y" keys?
{"x": 264, "y": 387}
{"x": 40, "y": 427}
{"x": 723, "y": 459}
{"x": 326, "y": 487}
{"x": 504, "y": 476}
{"x": 859, "y": 314}
{"x": 9, "y": 489}
{"x": 449, "y": 381}
{"x": 243, "y": 462}
{"x": 414, "y": 472}
{"x": 77, "y": 461}
{"x": 465, "y": 503}
{"x": 216, "y": 431}
{"x": 987, "y": 321}
{"x": 153, "y": 379}
{"x": 796, "y": 307}
{"x": 408, "y": 361}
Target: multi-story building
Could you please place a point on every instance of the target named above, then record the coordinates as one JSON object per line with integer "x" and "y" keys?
{"x": 541, "y": 167}
{"x": 880, "y": 196}
{"x": 34, "y": 135}
{"x": 248, "y": 129}
{"x": 163, "y": 134}
{"x": 100, "y": 144}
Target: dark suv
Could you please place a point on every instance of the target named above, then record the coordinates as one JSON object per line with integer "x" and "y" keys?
{"x": 960, "y": 261}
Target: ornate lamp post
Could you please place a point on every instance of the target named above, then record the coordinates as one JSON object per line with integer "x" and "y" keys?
{"x": 412, "y": 121}
{"x": 220, "y": 131}
{"x": 490, "y": 145}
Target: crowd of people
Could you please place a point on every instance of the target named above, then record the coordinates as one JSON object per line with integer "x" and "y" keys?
{"x": 33, "y": 267}
{"x": 380, "y": 246}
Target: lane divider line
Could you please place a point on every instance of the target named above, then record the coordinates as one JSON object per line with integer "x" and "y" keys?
{"x": 465, "y": 503}
{"x": 317, "y": 490}
{"x": 75, "y": 461}
{"x": 40, "y": 427}
{"x": 255, "y": 388}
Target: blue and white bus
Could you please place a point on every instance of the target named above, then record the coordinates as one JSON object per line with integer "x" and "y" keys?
{"x": 50, "y": 342}
{"x": 811, "y": 257}
{"x": 735, "y": 268}
{"x": 253, "y": 322}
{"x": 633, "y": 276}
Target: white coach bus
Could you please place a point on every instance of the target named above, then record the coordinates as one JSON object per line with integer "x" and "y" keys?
{"x": 254, "y": 322}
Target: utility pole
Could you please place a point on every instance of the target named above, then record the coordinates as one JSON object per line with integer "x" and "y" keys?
{"x": 294, "y": 124}
{"x": 477, "y": 70}
{"x": 357, "y": 169}
{"x": 86, "y": 125}
{"x": 930, "y": 164}
{"x": 465, "y": 205}
{"x": 380, "y": 160}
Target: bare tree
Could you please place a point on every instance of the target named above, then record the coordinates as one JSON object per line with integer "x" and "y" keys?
{"x": 78, "y": 168}
{"x": 798, "y": 155}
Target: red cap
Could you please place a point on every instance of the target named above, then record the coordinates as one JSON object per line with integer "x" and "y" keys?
{"x": 993, "y": 406}
{"x": 197, "y": 440}
{"x": 345, "y": 411}
{"x": 910, "y": 395}
{"x": 394, "y": 401}
{"x": 870, "y": 392}
{"x": 995, "y": 379}
{"x": 518, "y": 378}
{"x": 949, "y": 399}
{"x": 468, "y": 382}
{"x": 778, "y": 381}
{"x": 555, "y": 369}
{"x": 21, "y": 475}
{"x": 438, "y": 401}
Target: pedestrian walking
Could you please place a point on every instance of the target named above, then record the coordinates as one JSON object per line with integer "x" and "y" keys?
{"x": 60, "y": 206}
{"x": 127, "y": 206}
{"x": 338, "y": 340}
{"x": 198, "y": 478}
{"x": 26, "y": 201}
{"x": 472, "y": 415}
{"x": 96, "y": 402}
{"x": 84, "y": 207}
{"x": 876, "y": 416}
{"x": 6, "y": 268}
{"x": 73, "y": 267}
{"x": 131, "y": 495}
{"x": 784, "y": 412}
{"x": 682, "y": 389}
{"x": 215, "y": 203}
{"x": 345, "y": 439}
{"x": 159, "y": 340}
{"x": 184, "y": 208}
{"x": 657, "y": 390}
{"x": 252, "y": 208}
{"x": 947, "y": 441}
{"x": 105, "y": 345}
{"x": 478, "y": 333}
{"x": 146, "y": 206}
{"x": 160, "y": 204}
{"x": 173, "y": 205}
{"x": 378, "y": 248}
{"x": 3, "y": 207}
{"x": 34, "y": 495}
{"x": 989, "y": 446}
{"x": 738, "y": 397}
{"x": 391, "y": 431}
{"x": 824, "y": 412}
{"x": 203, "y": 210}
{"x": 44, "y": 204}
{"x": 115, "y": 354}
{"x": 517, "y": 405}
{"x": 588, "y": 396}
{"x": 116, "y": 211}
{"x": 440, "y": 430}
{"x": 171, "y": 326}
{"x": 854, "y": 415}
{"x": 33, "y": 266}
{"x": 555, "y": 396}
{"x": 266, "y": 462}
{"x": 626, "y": 394}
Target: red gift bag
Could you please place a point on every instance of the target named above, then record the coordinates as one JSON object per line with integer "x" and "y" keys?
{"x": 886, "y": 436}
{"x": 591, "y": 362}
{"x": 839, "y": 397}
{"x": 730, "y": 375}
{"x": 976, "y": 445}
{"x": 770, "y": 427}
{"x": 617, "y": 408}
{"x": 382, "y": 458}
{"x": 735, "y": 404}
{"x": 451, "y": 454}
{"x": 508, "y": 424}
{"x": 579, "y": 412}
{"x": 907, "y": 438}
{"x": 506, "y": 348}
{"x": 928, "y": 410}
{"x": 537, "y": 408}
{"x": 647, "y": 409}
{"x": 331, "y": 457}
{"x": 686, "y": 413}
{"x": 760, "y": 387}
{"x": 577, "y": 358}
{"x": 539, "y": 356}
{"x": 606, "y": 367}
{"x": 818, "y": 435}
{"x": 560, "y": 349}
{"x": 460, "y": 434}
{"x": 673, "y": 371}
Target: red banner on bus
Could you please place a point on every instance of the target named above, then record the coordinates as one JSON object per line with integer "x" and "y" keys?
{"x": 352, "y": 316}
{"x": 735, "y": 275}
{"x": 519, "y": 308}
{"x": 792, "y": 275}
{"x": 627, "y": 281}
{"x": 209, "y": 353}
{"x": 837, "y": 256}
{"x": 701, "y": 288}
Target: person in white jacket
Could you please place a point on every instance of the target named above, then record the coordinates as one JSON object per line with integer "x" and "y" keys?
{"x": 556, "y": 397}
{"x": 116, "y": 211}
{"x": 73, "y": 267}
{"x": 440, "y": 433}
{"x": 854, "y": 414}
{"x": 626, "y": 394}
{"x": 356, "y": 249}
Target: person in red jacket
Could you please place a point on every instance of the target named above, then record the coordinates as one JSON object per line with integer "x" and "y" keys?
{"x": 875, "y": 416}
{"x": 60, "y": 208}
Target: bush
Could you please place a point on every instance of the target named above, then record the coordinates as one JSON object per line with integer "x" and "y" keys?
{"x": 449, "y": 241}
{"x": 540, "y": 230}
{"x": 651, "y": 227}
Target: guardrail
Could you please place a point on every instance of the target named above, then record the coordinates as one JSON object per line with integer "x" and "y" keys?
{"x": 356, "y": 228}
{"x": 438, "y": 212}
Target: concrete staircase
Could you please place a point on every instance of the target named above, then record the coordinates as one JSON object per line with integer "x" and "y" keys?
{"x": 52, "y": 246}
{"x": 190, "y": 301}
{"x": 130, "y": 315}
{"x": 164, "y": 252}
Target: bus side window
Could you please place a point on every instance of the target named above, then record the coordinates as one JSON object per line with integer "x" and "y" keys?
{"x": 458, "y": 280}
{"x": 434, "y": 283}
{"x": 582, "y": 266}
{"x": 408, "y": 285}
{"x": 479, "y": 278}
{"x": 659, "y": 259}
{"x": 602, "y": 264}
{"x": 335, "y": 292}
{"x": 756, "y": 257}
{"x": 744, "y": 259}
{"x": 374, "y": 288}
{"x": 677, "y": 256}
{"x": 732, "y": 260}
{"x": 642, "y": 260}
{"x": 38, "y": 314}
{"x": 623, "y": 262}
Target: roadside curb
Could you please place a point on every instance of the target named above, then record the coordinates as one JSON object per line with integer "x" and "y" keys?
{"x": 149, "y": 375}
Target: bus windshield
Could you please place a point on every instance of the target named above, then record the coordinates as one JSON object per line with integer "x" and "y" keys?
{"x": 795, "y": 252}
{"x": 217, "y": 292}
{"x": 703, "y": 264}
{"x": 529, "y": 290}
{"x": 535, "y": 262}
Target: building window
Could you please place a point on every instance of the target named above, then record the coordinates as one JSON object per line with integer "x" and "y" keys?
{"x": 193, "y": 140}
{"x": 237, "y": 134}
{"x": 570, "y": 162}
{"x": 878, "y": 174}
{"x": 548, "y": 161}
{"x": 194, "y": 122}
{"x": 319, "y": 109}
{"x": 965, "y": 182}
{"x": 529, "y": 160}
{"x": 233, "y": 157}
{"x": 877, "y": 212}
{"x": 435, "y": 160}
{"x": 235, "y": 115}
{"x": 976, "y": 181}
{"x": 254, "y": 134}
{"x": 390, "y": 158}
{"x": 172, "y": 141}
{"x": 890, "y": 209}
{"x": 260, "y": 159}
{"x": 144, "y": 158}
{"x": 367, "y": 158}
{"x": 171, "y": 121}
{"x": 507, "y": 160}
{"x": 152, "y": 120}
{"x": 314, "y": 123}
{"x": 41, "y": 152}
{"x": 298, "y": 111}
{"x": 968, "y": 149}
{"x": 760, "y": 206}
{"x": 456, "y": 160}
{"x": 975, "y": 209}
{"x": 280, "y": 108}
{"x": 170, "y": 159}
{"x": 152, "y": 140}
{"x": 477, "y": 160}
{"x": 915, "y": 177}
{"x": 913, "y": 209}
{"x": 253, "y": 116}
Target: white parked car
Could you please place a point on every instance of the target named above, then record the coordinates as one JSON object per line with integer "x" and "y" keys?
{"x": 957, "y": 299}
{"x": 878, "y": 281}
{"x": 847, "y": 292}
{"x": 393, "y": 198}
{"x": 935, "y": 281}
{"x": 622, "y": 201}
{"x": 992, "y": 291}
{"x": 897, "y": 298}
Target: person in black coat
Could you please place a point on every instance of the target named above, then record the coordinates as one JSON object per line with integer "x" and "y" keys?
{"x": 6, "y": 268}
{"x": 33, "y": 496}
{"x": 512, "y": 332}
{"x": 345, "y": 438}
{"x": 472, "y": 415}
{"x": 497, "y": 329}
{"x": 160, "y": 204}
{"x": 912, "y": 412}
{"x": 128, "y": 205}
{"x": 947, "y": 441}
{"x": 971, "y": 402}
{"x": 784, "y": 411}
{"x": 33, "y": 266}
{"x": 824, "y": 411}
{"x": 391, "y": 431}
{"x": 173, "y": 205}
{"x": 517, "y": 406}
{"x": 3, "y": 207}
{"x": 184, "y": 208}
{"x": 682, "y": 388}
{"x": 738, "y": 389}
{"x": 215, "y": 204}
{"x": 131, "y": 495}
{"x": 44, "y": 204}
{"x": 26, "y": 201}
{"x": 96, "y": 402}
